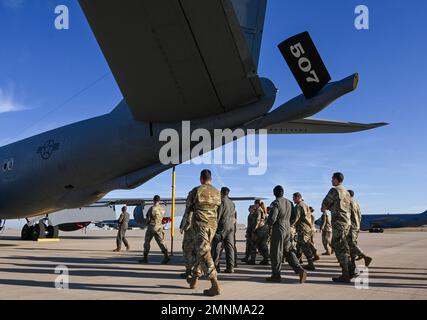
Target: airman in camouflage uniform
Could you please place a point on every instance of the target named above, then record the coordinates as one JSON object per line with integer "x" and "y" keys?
{"x": 204, "y": 201}
{"x": 121, "y": 234}
{"x": 259, "y": 236}
{"x": 356, "y": 217}
{"x": 188, "y": 249}
{"x": 304, "y": 228}
{"x": 326, "y": 230}
{"x": 338, "y": 202}
{"x": 155, "y": 230}
{"x": 249, "y": 231}
{"x": 313, "y": 232}
{"x": 279, "y": 220}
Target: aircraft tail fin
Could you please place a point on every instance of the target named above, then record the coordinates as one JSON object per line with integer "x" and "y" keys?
{"x": 251, "y": 16}
{"x": 306, "y": 64}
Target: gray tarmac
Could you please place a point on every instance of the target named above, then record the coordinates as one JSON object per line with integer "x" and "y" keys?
{"x": 27, "y": 270}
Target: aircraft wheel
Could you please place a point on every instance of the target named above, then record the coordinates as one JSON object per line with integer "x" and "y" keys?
{"x": 52, "y": 232}
{"x": 39, "y": 231}
{"x": 26, "y": 233}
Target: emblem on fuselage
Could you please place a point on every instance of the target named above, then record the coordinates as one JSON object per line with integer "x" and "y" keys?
{"x": 48, "y": 149}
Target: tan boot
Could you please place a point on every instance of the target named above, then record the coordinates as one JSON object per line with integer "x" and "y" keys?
{"x": 116, "y": 250}
{"x": 368, "y": 261}
{"x": 215, "y": 290}
{"x": 192, "y": 281}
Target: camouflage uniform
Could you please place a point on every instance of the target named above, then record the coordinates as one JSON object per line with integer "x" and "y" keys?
{"x": 155, "y": 229}
{"x": 260, "y": 234}
{"x": 326, "y": 232}
{"x": 353, "y": 236}
{"x": 204, "y": 202}
{"x": 188, "y": 249}
{"x": 304, "y": 229}
{"x": 121, "y": 234}
{"x": 338, "y": 201}
{"x": 355, "y": 252}
{"x": 313, "y": 232}
{"x": 249, "y": 231}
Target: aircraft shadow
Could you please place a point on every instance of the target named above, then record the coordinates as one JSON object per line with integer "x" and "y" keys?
{"x": 92, "y": 287}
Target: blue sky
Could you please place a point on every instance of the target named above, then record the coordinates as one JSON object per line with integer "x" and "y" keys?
{"x": 41, "y": 68}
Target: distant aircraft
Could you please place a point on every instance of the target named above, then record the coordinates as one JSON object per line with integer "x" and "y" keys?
{"x": 142, "y": 206}
{"x": 376, "y": 223}
{"x": 379, "y": 222}
{"x": 173, "y": 61}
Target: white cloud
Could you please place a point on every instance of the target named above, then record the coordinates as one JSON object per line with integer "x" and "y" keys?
{"x": 12, "y": 4}
{"x": 7, "y": 103}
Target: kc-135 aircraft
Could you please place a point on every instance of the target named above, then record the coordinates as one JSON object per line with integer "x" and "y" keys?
{"x": 173, "y": 61}
{"x": 376, "y": 223}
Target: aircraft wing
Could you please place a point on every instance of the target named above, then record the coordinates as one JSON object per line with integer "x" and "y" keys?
{"x": 176, "y": 60}
{"x": 312, "y": 126}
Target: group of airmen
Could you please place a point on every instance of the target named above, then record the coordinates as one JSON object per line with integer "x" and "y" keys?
{"x": 210, "y": 221}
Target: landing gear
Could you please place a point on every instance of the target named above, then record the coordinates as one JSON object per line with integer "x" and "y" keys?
{"x": 52, "y": 232}
{"x": 26, "y": 233}
{"x": 376, "y": 230}
{"x": 39, "y": 231}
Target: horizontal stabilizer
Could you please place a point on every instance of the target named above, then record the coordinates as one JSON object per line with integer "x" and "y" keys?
{"x": 312, "y": 126}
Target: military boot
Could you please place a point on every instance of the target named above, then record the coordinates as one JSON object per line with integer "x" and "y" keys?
{"x": 215, "y": 290}
{"x": 117, "y": 250}
{"x": 251, "y": 261}
{"x": 166, "y": 259}
{"x": 229, "y": 270}
{"x": 145, "y": 259}
{"x": 368, "y": 260}
{"x": 345, "y": 277}
{"x": 264, "y": 262}
{"x": 128, "y": 248}
{"x": 302, "y": 276}
{"x": 316, "y": 257}
{"x": 186, "y": 274}
{"x": 245, "y": 259}
{"x": 192, "y": 281}
{"x": 273, "y": 278}
{"x": 310, "y": 266}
